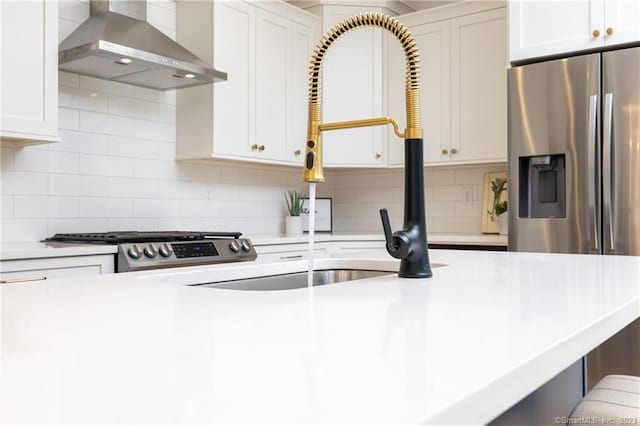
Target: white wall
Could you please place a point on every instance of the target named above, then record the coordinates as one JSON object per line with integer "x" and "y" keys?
{"x": 115, "y": 170}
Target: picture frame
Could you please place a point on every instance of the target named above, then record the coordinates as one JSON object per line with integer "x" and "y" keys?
{"x": 324, "y": 215}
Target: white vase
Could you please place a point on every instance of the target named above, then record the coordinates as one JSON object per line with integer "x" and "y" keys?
{"x": 503, "y": 223}
{"x": 293, "y": 225}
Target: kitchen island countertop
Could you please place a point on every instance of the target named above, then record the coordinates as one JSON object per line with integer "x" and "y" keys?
{"x": 461, "y": 347}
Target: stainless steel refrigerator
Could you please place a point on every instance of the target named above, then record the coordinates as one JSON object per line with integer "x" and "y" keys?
{"x": 574, "y": 170}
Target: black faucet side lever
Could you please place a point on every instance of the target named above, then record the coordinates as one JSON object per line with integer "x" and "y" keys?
{"x": 398, "y": 245}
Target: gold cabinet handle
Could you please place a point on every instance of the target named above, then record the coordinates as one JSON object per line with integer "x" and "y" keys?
{"x": 454, "y": 151}
{"x": 22, "y": 280}
{"x": 609, "y": 31}
{"x": 261, "y": 148}
{"x": 297, "y": 152}
{"x": 596, "y": 33}
{"x": 378, "y": 155}
{"x": 445, "y": 151}
{"x": 254, "y": 147}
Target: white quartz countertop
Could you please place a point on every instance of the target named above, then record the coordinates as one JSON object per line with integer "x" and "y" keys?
{"x": 459, "y": 348}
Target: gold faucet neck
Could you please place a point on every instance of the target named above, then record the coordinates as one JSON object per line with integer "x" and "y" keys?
{"x": 313, "y": 159}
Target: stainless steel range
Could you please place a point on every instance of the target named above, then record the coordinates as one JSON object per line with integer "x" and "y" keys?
{"x": 152, "y": 250}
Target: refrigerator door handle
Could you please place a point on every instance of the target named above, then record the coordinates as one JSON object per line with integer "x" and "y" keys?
{"x": 592, "y": 159}
{"x": 607, "y": 166}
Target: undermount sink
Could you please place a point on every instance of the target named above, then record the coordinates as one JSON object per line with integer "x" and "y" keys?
{"x": 296, "y": 280}
{"x": 299, "y": 279}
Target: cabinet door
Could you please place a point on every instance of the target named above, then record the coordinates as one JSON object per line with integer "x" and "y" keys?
{"x": 352, "y": 89}
{"x": 272, "y": 74}
{"x": 302, "y": 39}
{"x": 433, "y": 41}
{"x": 540, "y": 28}
{"x": 234, "y": 52}
{"x": 29, "y": 77}
{"x": 622, "y": 19}
{"x": 479, "y": 87}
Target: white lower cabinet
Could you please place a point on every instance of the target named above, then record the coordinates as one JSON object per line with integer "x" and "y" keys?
{"x": 463, "y": 84}
{"x": 29, "y": 76}
{"x": 32, "y": 270}
{"x": 259, "y": 113}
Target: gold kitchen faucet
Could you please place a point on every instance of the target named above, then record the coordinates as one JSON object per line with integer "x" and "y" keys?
{"x": 410, "y": 244}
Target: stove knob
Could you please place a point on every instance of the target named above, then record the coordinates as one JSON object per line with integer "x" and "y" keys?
{"x": 165, "y": 250}
{"x": 233, "y": 245}
{"x": 134, "y": 252}
{"x": 150, "y": 251}
{"x": 246, "y": 246}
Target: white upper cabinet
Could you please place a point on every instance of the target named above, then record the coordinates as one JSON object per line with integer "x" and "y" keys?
{"x": 551, "y": 27}
{"x": 479, "y": 89}
{"x": 259, "y": 113}
{"x": 434, "y": 42}
{"x": 463, "y": 79}
{"x": 29, "y": 75}
{"x": 352, "y": 89}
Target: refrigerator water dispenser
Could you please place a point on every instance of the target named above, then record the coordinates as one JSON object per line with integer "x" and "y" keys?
{"x": 542, "y": 186}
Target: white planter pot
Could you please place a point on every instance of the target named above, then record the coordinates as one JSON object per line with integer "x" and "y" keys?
{"x": 503, "y": 223}
{"x": 293, "y": 225}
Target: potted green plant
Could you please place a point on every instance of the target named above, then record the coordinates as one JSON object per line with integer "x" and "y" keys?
{"x": 293, "y": 221}
{"x": 498, "y": 212}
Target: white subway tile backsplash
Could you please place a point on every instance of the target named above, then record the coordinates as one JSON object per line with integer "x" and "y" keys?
{"x": 457, "y": 225}
{"x": 82, "y": 99}
{"x": 160, "y": 96}
{"x": 134, "y": 108}
{"x": 68, "y": 119}
{"x": 130, "y": 147}
{"x": 6, "y": 206}
{"x": 93, "y": 207}
{"x": 132, "y": 187}
{"x": 63, "y": 162}
{"x": 94, "y": 122}
{"x": 20, "y": 230}
{"x": 80, "y": 142}
{"x": 46, "y": 207}
{"x": 439, "y": 177}
{"x": 23, "y": 183}
{"x": 156, "y": 208}
{"x": 156, "y": 169}
{"x": 120, "y": 207}
{"x": 169, "y": 189}
{"x": 184, "y": 223}
{"x": 31, "y": 160}
{"x": 63, "y": 226}
{"x": 105, "y": 165}
{"x": 200, "y": 208}
{"x": 77, "y": 185}
{"x": 166, "y": 151}
{"x": 132, "y": 224}
{"x": 155, "y": 130}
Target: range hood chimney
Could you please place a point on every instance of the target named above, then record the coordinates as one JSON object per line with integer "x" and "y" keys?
{"x": 117, "y": 43}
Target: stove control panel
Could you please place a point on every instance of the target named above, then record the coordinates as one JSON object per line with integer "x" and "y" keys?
{"x": 142, "y": 256}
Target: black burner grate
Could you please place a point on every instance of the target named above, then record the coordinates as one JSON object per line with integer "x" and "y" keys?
{"x": 140, "y": 237}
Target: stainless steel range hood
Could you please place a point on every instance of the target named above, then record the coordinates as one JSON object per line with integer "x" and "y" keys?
{"x": 117, "y": 43}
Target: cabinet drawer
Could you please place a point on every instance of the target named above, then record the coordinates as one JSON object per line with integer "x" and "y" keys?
{"x": 55, "y": 267}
